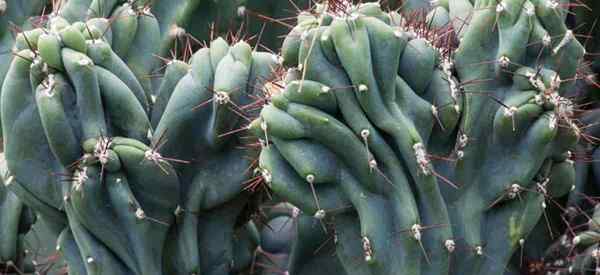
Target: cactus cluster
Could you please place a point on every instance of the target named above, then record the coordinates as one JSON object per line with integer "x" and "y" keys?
{"x": 435, "y": 141}
{"x": 422, "y": 156}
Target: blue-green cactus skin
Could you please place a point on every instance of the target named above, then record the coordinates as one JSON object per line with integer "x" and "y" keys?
{"x": 444, "y": 158}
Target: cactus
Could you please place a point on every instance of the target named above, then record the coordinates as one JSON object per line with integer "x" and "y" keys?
{"x": 206, "y": 108}
{"x": 129, "y": 26}
{"x": 83, "y": 150}
{"x": 425, "y": 158}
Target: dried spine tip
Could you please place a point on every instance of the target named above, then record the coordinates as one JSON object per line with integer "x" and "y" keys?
{"x": 152, "y": 155}
{"x": 450, "y": 245}
{"x": 421, "y": 157}
{"x": 529, "y": 10}
{"x": 101, "y": 150}
{"x": 367, "y": 249}
{"x": 49, "y": 83}
{"x": 546, "y": 40}
{"x": 9, "y": 181}
{"x": 178, "y": 210}
{"x": 416, "y": 231}
{"x": 221, "y": 97}
{"x": 460, "y": 154}
{"x": 504, "y": 61}
{"x": 80, "y": 178}
{"x": 510, "y": 111}
{"x": 241, "y": 11}
{"x": 553, "y": 4}
{"x": 84, "y": 62}
{"x": 434, "y": 110}
{"x": 140, "y": 214}
{"x": 266, "y": 175}
{"x": 295, "y": 212}
{"x": 552, "y": 122}
{"x": 320, "y": 214}
{"x": 566, "y": 39}
{"x": 513, "y": 191}
{"x": 596, "y": 253}
{"x": 363, "y": 88}
{"x": 463, "y": 140}
{"x": 500, "y": 7}
{"x": 365, "y": 133}
{"x": 372, "y": 163}
{"x": 279, "y": 59}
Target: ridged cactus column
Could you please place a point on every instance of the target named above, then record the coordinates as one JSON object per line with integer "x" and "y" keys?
{"x": 207, "y": 108}
{"x": 427, "y": 159}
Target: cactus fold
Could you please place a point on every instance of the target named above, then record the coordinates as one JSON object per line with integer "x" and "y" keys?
{"x": 205, "y": 109}
{"x": 128, "y": 189}
{"x": 426, "y": 159}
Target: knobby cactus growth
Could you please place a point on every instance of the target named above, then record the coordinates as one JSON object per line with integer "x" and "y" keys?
{"x": 124, "y": 191}
{"x": 130, "y": 27}
{"x": 425, "y": 159}
{"x": 207, "y": 110}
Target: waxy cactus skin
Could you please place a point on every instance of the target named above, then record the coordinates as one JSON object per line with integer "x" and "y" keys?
{"x": 129, "y": 189}
{"x": 427, "y": 159}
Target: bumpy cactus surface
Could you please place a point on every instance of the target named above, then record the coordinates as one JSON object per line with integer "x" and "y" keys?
{"x": 426, "y": 159}
{"x": 82, "y": 150}
{"x": 205, "y": 111}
